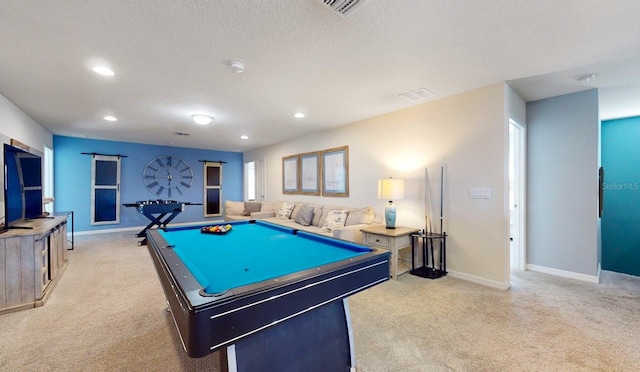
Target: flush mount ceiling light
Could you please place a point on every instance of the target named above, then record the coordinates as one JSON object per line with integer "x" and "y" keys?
{"x": 110, "y": 118}
{"x": 202, "y": 119}
{"x": 244, "y": 137}
{"x": 299, "y": 115}
{"x": 238, "y": 67}
{"x": 586, "y": 78}
{"x": 103, "y": 70}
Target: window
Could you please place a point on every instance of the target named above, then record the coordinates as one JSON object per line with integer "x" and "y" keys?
{"x": 254, "y": 180}
{"x": 105, "y": 190}
{"x": 212, "y": 189}
{"x": 250, "y": 177}
{"x": 48, "y": 179}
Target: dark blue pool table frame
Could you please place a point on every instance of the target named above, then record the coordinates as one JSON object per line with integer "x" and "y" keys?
{"x": 210, "y": 323}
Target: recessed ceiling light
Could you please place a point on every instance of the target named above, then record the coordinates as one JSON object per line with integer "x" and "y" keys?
{"x": 299, "y": 115}
{"x": 103, "y": 70}
{"x": 244, "y": 137}
{"x": 110, "y": 118}
{"x": 202, "y": 119}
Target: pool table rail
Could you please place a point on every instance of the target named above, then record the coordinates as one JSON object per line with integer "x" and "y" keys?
{"x": 209, "y": 323}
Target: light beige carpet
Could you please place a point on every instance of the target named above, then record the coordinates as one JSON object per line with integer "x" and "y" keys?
{"x": 107, "y": 313}
{"x": 543, "y": 323}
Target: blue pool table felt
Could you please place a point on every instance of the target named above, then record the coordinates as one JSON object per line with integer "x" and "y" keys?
{"x": 253, "y": 252}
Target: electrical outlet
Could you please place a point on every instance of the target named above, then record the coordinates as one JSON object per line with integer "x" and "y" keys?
{"x": 480, "y": 193}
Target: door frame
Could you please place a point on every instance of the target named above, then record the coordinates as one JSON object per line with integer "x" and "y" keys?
{"x": 216, "y": 186}
{"x": 520, "y": 181}
{"x": 115, "y": 187}
{"x": 259, "y": 180}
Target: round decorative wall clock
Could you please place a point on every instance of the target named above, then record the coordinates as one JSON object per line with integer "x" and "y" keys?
{"x": 167, "y": 176}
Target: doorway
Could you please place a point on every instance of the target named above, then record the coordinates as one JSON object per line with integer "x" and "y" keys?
{"x": 517, "y": 250}
{"x": 254, "y": 184}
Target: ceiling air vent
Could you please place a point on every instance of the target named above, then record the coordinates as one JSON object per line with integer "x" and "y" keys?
{"x": 417, "y": 95}
{"x": 343, "y": 7}
{"x": 182, "y": 134}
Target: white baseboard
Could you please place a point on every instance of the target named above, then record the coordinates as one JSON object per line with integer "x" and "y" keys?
{"x": 139, "y": 228}
{"x": 478, "y": 280}
{"x": 105, "y": 231}
{"x": 565, "y": 274}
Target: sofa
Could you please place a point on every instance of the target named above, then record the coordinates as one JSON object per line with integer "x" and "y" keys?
{"x": 334, "y": 221}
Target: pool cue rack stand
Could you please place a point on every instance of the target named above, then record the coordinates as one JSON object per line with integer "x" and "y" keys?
{"x": 431, "y": 267}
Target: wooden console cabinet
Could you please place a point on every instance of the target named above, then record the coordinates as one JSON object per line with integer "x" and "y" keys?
{"x": 31, "y": 261}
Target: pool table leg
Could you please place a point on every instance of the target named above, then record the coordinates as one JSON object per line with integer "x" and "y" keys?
{"x": 352, "y": 348}
{"x": 317, "y": 341}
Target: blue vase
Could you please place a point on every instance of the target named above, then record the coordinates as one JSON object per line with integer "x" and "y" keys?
{"x": 390, "y": 215}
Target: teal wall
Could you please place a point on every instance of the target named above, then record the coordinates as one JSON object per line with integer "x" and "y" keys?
{"x": 621, "y": 216}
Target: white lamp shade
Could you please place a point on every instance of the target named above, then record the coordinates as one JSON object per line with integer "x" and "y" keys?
{"x": 390, "y": 189}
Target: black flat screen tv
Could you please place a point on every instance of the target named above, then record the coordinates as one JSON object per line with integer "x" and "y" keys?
{"x": 22, "y": 186}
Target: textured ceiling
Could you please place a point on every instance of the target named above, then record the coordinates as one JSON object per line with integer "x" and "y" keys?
{"x": 171, "y": 60}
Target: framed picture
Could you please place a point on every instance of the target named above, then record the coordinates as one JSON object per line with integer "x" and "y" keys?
{"x": 290, "y": 175}
{"x": 335, "y": 171}
{"x": 310, "y": 173}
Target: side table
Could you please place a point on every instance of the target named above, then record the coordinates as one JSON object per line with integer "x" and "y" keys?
{"x": 429, "y": 269}
{"x": 391, "y": 239}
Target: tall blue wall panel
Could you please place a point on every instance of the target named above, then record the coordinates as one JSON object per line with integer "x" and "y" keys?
{"x": 621, "y": 215}
{"x": 72, "y": 184}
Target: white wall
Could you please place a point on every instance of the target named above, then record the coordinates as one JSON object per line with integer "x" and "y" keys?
{"x": 467, "y": 133}
{"x": 515, "y": 106}
{"x": 15, "y": 124}
{"x": 562, "y": 184}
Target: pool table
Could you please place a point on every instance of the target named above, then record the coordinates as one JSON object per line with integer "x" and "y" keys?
{"x": 267, "y": 295}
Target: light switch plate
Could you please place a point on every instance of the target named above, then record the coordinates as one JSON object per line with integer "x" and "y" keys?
{"x": 480, "y": 193}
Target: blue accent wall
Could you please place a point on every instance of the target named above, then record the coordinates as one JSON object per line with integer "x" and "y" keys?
{"x": 621, "y": 214}
{"x": 72, "y": 184}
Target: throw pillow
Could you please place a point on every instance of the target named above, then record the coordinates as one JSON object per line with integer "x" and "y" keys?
{"x": 270, "y": 207}
{"x": 335, "y": 220}
{"x": 296, "y": 210}
{"x": 305, "y": 216}
{"x": 360, "y": 216}
{"x": 234, "y": 208}
{"x": 317, "y": 213}
{"x": 250, "y": 207}
{"x": 285, "y": 211}
{"x": 325, "y": 212}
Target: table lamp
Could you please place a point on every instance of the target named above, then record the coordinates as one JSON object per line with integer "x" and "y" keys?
{"x": 390, "y": 189}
